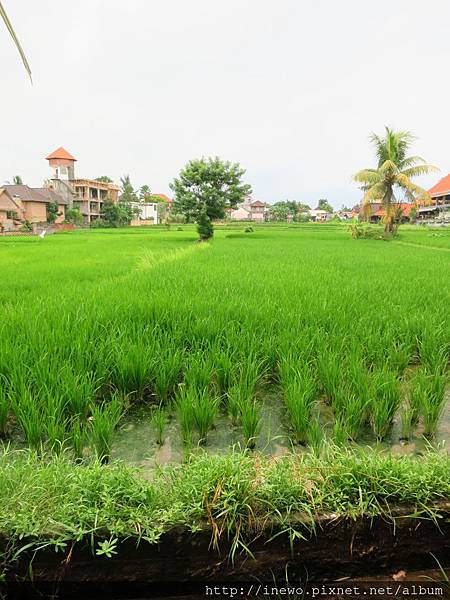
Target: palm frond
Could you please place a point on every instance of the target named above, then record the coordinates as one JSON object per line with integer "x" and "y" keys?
{"x": 367, "y": 176}
{"x": 422, "y": 169}
{"x": 374, "y": 193}
{"x": 12, "y": 33}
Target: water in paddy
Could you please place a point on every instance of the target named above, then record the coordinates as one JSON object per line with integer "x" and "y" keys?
{"x": 135, "y": 441}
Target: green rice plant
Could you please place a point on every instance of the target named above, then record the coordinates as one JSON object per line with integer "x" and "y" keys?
{"x": 4, "y": 405}
{"x": 316, "y": 435}
{"x": 406, "y": 421}
{"x": 329, "y": 369}
{"x": 77, "y": 437}
{"x": 417, "y": 390}
{"x": 299, "y": 392}
{"x": 434, "y": 348}
{"x": 224, "y": 370}
{"x": 159, "y": 422}
{"x": 340, "y": 434}
{"x": 29, "y": 414}
{"x": 167, "y": 373}
{"x": 432, "y": 401}
{"x": 205, "y": 409}
{"x": 102, "y": 424}
{"x": 236, "y": 395}
{"x": 184, "y": 405}
{"x": 385, "y": 402}
{"x": 353, "y": 413}
{"x": 56, "y": 431}
{"x": 251, "y": 422}
{"x": 134, "y": 365}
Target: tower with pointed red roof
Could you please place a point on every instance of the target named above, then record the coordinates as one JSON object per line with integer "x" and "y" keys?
{"x": 62, "y": 164}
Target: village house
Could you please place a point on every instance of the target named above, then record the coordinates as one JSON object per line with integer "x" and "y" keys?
{"x": 33, "y": 203}
{"x": 88, "y": 195}
{"x": 249, "y": 210}
{"x": 374, "y": 211}
{"x": 319, "y": 215}
{"x": 10, "y": 211}
{"x": 148, "y": 213}
{"x": 440, "y": 201}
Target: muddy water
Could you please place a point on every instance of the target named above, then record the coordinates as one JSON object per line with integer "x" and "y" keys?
{"x": 135, "y": 441}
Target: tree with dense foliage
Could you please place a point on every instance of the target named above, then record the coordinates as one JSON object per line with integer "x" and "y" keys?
{"x": 205, "y": 188}
{"x": 52, "y": 212}
{"x": 282, "y": 211}
{"x": 104, "y": 179}
{"x": 324, "y": 205}
{"x": 17, "y": 180}
{"x": 393, "y": 173}
{"x": 116, "y": 214}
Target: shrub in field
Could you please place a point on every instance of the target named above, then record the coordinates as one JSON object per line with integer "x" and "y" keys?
{"x": 103, "y": 422}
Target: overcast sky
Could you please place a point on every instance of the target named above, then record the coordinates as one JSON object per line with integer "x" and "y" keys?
{"x": 288, "y": 88}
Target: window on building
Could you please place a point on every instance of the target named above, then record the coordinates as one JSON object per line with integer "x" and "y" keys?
{"x": 11, "y": 214}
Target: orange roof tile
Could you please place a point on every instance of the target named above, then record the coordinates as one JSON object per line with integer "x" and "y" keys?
{"x": 441, "y": 187}
{"x": 60, "y": 153}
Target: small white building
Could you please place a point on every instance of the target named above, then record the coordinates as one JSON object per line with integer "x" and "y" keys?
{"x": 319, "y": 215}
{"x": 148, "y": 214}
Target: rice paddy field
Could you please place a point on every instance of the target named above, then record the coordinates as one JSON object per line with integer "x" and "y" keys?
{"x": 141, "y": 351}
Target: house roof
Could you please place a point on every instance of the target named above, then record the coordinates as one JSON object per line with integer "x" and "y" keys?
{"x": 52, "y": 196}
{"x": 405, "y": 206}
{"x": 164, "y": 197}
{"x": 257, "y": 203}
{"x": 60, "y": 153}
{"x": 27, "y": 194}
{"x": 441, "y": 187}
{"x": 7, "y": 202}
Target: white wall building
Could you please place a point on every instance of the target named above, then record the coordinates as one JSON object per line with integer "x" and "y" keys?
{"x": 149, "y": 213}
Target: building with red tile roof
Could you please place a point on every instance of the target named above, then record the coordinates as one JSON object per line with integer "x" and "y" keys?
{"x": 440, "y": 200}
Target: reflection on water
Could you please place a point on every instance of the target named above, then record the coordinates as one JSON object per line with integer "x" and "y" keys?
{"x": 135, "y": 442}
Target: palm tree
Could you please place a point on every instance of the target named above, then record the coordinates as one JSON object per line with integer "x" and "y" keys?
{"x": 393, "y": 173}
{"x": 12, "y": 33}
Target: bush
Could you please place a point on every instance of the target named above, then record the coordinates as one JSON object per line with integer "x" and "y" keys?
{"x": 74, "y": 216}
{"x": 364, "y": 231}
